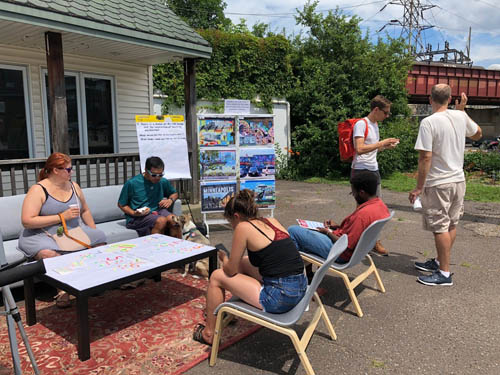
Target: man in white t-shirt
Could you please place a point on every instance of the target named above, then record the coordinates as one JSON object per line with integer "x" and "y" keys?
{"x": 365, "y": 158}
{"x": 441, "y": 180}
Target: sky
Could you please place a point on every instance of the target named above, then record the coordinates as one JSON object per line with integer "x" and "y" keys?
{"x": 451, "y": 18}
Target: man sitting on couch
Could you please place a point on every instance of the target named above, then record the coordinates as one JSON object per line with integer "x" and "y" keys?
{"x": 147, "y": 200}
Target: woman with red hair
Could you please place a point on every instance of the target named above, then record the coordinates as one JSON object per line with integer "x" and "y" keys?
{"x": 55, "y": 194}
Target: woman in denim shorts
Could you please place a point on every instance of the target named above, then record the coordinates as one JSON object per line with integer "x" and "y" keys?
{"x": 270, "y": 278}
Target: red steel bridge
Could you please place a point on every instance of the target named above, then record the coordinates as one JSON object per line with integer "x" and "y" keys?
{"x": 482, "y": 86}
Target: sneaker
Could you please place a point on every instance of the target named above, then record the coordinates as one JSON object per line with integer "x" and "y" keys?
{"x": 437, "y": 278}
{"x": 429, "y": 266}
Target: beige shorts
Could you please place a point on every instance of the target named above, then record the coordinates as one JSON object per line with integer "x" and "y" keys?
{"x": 442, "y": 206}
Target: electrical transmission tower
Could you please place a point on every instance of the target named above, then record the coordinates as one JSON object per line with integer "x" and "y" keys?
{"x": 413, "y": 23}
{"x": 412, "y": 26}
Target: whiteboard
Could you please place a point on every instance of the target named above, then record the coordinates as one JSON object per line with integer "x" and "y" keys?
{"x": 164, "y": 137}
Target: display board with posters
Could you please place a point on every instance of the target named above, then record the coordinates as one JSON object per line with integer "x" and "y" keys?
{"x": 165, "y": 137}
{"x": 242, "y": 141}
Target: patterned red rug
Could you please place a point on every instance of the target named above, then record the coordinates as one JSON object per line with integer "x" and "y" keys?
{"x": 147, "y": 330}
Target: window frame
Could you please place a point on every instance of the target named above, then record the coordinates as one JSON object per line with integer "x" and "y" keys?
{"x": 27, "y": 103}
{"x": 82, "y": 108}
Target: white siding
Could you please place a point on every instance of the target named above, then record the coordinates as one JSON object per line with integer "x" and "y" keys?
{"x": 132, "y": 85}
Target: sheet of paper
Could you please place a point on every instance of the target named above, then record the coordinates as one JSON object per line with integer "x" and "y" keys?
{"x": 310, "y": 224}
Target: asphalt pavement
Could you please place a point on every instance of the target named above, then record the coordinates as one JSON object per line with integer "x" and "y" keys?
{"x": 410, "y": 329}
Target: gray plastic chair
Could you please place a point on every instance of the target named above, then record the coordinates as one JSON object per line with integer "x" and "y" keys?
{"x": 281, "y": 322}
{"x": 364, "y": 246}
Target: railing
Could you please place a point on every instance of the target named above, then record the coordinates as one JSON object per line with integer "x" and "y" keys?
{"x": 18, "y": 175}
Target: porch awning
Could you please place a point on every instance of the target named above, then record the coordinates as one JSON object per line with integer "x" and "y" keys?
{"x": 135, "y": 31}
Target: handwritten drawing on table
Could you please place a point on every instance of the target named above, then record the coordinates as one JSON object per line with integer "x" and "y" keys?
{"x": 314, "y": 225}
{"x": 109, "y": 261}
{"x": 137, "y": 254}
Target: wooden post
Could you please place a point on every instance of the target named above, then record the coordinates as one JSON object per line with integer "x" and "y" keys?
{"x": 57, "y": 93}
{"x": 191, "y": 126}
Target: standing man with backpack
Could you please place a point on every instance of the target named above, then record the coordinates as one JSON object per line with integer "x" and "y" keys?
{"x": 367, "y": 143}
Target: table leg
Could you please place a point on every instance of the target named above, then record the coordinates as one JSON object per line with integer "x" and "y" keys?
{"x": 82, "y": 311}
{"x": 212, "y": 263}
{"x": 29, "y": 300}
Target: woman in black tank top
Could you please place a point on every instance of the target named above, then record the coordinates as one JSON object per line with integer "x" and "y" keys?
{"x": 270, "y": 278}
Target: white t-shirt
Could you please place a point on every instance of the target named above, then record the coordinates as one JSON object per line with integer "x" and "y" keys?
{"x": 368, "y": 160}
{"x": 444, "y": 134}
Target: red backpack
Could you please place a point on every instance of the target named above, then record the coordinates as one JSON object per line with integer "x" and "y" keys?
{"x": 346, "y": 143}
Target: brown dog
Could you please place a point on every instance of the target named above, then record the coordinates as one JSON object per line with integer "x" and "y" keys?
{"x": 174, "y": 227}
{"x": 191, "y": 233}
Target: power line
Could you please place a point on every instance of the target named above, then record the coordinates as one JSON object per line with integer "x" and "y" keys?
{"x": 491, "y": 5}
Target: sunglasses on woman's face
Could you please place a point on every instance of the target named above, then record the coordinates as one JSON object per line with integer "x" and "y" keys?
{"x": 67, "y": 169}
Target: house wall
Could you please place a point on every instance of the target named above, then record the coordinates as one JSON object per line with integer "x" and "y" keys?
{"x": 132, "y": 91}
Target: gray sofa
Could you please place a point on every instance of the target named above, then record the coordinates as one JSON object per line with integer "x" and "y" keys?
{"x": 102, "y": 202}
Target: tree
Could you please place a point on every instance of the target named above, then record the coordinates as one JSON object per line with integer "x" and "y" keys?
{"x": 201, "y": 14}
{"x": 337, "y": 71}
{"x": 242, "y": 66}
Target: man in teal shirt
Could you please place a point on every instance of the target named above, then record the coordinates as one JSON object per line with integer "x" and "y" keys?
{"x": 148, "y": 201}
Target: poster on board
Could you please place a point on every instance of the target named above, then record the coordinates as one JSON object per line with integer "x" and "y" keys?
{"x": 213, "y": 132}
{"x": 215, "y": 195}
{"x": 217, "y": 164}
{"x": 256, "y": 131}
{"x": 265, "y": 191}
{"x": 165, "y": 137}
{"x": 257, "y": 163}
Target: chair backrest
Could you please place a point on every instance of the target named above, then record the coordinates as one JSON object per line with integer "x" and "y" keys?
{"x": 337, "y": 248}
{"x": 367, "y": 240}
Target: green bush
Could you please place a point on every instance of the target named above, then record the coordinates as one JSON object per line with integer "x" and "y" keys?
{"x": 487, "y": 162}
{"x": 404, "y": 157}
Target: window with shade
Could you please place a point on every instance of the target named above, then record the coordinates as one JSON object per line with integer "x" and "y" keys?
{"x": 90, "y": 104}
{"x": 15, "y": 127}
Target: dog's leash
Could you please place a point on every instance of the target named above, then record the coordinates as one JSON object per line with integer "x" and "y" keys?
{"x": 200, "y": 226}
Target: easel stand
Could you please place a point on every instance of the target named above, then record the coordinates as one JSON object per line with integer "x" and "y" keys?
{"x": 13, "y": 316}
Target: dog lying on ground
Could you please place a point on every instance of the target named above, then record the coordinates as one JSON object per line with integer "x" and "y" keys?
{"x": 191, "y": 233}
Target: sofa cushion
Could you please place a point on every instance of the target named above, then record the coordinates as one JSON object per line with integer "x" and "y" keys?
{"x": 12, "y": 254}
{"x": 10, "y": 216}
{"x": 103, "y": 203}
{"x": 116, "y": 231}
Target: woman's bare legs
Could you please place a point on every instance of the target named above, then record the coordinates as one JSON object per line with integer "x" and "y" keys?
{"x": 246, "y": 285}
{"x": 62, "y": 298}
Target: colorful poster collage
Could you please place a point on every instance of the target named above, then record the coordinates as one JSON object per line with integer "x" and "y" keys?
{"x": 227, "y": 155}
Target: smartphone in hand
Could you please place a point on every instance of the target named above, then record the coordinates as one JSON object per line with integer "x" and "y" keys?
{"x": 220, "y": 246}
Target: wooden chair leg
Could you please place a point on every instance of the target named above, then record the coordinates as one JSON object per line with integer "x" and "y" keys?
{"x": 352, "y": 294}
{"x": 301, "y": 351}
{"x": 377, "y": 276}
{"x": 217, "y": 337}
{"x": 325, "y": 317}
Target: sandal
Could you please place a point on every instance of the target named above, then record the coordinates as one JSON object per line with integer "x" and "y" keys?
{"x": 198, "y": 335}
{"x": 62, "y": 300}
